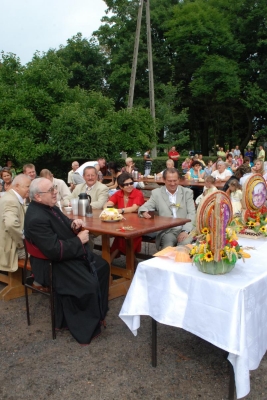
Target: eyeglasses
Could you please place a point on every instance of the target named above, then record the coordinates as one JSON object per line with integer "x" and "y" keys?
{"x": 127, "y": 184}
{"x": 51, "y": 190}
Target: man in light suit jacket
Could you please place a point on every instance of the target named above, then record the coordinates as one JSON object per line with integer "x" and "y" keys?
{"x": 12, "y": 222}
{"x": 97, "y": 191}
{"x": 171, "y": 200}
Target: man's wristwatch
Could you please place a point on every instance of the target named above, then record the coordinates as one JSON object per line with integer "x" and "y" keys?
{"x": 122, "y": 210}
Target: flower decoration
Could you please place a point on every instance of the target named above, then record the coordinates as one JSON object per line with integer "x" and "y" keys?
{"x": 230, "y": 253}
{"x": 176, "y": 205}
{"x": 255, "y": 221}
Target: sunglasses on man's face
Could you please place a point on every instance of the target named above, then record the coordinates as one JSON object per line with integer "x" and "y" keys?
{"x": 127, "y": 184}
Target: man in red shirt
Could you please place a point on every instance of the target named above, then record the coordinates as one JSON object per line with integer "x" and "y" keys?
{"x": 174, "y": 155}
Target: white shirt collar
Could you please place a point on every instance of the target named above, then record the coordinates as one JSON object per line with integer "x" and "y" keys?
{"x": 172, "y": 197}
{"x": 20, "y": 199}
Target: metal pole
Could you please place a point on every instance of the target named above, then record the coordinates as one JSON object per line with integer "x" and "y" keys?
{"x": 150, "y": 69}
{"x": 135, "y": 55}
{"x": 150, "y": 61}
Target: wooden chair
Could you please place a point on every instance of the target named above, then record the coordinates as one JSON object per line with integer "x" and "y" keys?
{"x": 13, "y": 282}
{"x": 28, "y": 284}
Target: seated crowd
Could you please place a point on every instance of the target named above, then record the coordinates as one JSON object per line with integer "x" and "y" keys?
{"x": 81, "y": 278}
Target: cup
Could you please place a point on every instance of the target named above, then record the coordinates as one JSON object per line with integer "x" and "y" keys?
{"x": 151, "y": 213}
{"x": 74, "y": 205}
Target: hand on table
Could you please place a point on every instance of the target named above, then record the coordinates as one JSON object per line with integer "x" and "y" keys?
{"x": 146, "y": 215}
{"x": 182, "y": 236}
{"x": 83, "y": 236}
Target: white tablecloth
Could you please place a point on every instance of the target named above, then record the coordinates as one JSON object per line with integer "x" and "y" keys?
{"x": 229, "y": 311}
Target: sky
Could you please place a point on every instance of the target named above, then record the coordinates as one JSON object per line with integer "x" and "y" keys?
{"x": 30, "y": 25}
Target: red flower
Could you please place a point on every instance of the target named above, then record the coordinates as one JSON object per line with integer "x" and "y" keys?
{"x": 234, "y": 243}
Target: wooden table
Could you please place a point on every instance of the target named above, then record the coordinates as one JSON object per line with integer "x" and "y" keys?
{"x": 183, "y": 182}
{"x": 142, "y": 226}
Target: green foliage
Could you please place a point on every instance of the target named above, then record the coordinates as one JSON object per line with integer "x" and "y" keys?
{"x": 217, "y": 77}
{"x": 84, "y": 60}
{"x": 210, "y": 77}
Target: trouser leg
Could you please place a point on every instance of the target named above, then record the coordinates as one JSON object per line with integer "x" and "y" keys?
{"x": 168, "y": 239}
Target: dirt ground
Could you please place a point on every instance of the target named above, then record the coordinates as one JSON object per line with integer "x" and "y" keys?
{"x": 116, "y": 365}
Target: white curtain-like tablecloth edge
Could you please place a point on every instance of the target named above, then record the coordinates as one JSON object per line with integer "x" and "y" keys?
{"x": 246, "y": 345}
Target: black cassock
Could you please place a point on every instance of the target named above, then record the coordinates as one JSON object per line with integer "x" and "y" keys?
{"x": 80, "y": 305}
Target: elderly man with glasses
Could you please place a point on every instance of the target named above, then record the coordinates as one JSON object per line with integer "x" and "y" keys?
{"x": 63, "y": 192}
{"x": 80, "y": 278}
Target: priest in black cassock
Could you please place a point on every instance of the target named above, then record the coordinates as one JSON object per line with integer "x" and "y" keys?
{"x": 81, "y": 296}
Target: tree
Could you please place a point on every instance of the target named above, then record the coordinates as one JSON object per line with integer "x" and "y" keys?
{"x": 85, "y": 61}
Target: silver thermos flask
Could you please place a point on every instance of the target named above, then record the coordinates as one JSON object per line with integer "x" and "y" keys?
{"x": 82, "y": 204}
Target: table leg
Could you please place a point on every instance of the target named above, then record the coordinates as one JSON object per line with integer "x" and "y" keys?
{"x": 231, "y": 395}
{"x": 154, "y": 342}
{"x": 130, "y": 255}
{"x": 106, "y": 248}
{"x": 119, "y": 287}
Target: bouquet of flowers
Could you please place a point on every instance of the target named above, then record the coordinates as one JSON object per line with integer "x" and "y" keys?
{"x": 252, "y": 222}
{"x": 255, "y": 222}
{"x": 229, "y": 254}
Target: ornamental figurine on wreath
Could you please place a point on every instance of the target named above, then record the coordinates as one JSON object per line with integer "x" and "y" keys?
{"x": 253, "y": 220}
{"x": 216, "y": 250}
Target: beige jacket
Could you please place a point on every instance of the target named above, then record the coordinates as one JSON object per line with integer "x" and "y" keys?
{"x": 11, "y": 230}
{"x": 99, "y": 194}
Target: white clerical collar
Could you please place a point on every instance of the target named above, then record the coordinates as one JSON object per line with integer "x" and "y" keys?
{"x": 20, "y": 199}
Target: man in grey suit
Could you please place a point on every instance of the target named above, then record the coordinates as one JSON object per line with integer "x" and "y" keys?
{"x": 97, "y": 191}
{"x": 171, "y": 200}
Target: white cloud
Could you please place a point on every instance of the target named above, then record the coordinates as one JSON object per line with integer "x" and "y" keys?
{"x": 30, "y": 25}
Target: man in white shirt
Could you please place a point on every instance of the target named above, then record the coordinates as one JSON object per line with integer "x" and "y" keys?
{"x": 75, "y": 166}
{"x": 237, "y": 152}
{"x": 77, "y": 176}
{"x": 171, "y": 200}
{"x": 221, "y": 173}
{"x": 12, "y": 222}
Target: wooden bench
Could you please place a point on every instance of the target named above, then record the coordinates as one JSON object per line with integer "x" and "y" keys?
{"x": 13, "y": 280}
